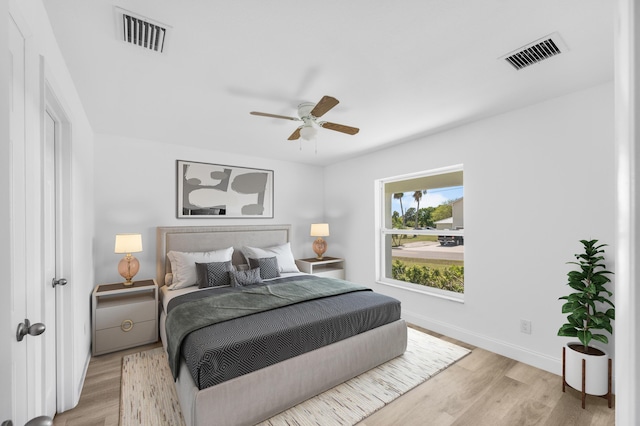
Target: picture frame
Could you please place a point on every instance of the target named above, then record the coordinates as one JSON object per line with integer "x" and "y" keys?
{"x": 207, "y": 190}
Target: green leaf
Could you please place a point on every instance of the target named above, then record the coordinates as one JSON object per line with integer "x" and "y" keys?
{"x": 585, "y": 337}
{"x": 568, "y": 331}
{"x": 568, "y": 307}
{"x": 581, "y": 311}
{"x": 600, "y": 338}
{"x": 578, "y": 325}
{"x": 584, "y": 306}
{"x": 577, "y": 298}
{"x": 578, "y": 286}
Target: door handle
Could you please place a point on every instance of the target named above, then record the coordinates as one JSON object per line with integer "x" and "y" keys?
{"x": 61, "y": 281}
{"x": 26, "y": 327}
{"x": 38, "y": 421}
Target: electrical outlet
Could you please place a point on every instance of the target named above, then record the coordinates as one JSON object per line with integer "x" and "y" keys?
{"x": 525, "y": 326}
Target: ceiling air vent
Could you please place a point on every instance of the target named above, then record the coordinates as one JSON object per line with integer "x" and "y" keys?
{"x": 140, "y": 31}
{"x": 537, "y": 51}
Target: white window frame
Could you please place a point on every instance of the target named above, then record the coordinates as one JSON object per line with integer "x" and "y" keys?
{"x": 384, "y": 233}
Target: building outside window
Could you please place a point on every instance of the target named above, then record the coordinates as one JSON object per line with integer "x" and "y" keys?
{"x": 421, "y": 232}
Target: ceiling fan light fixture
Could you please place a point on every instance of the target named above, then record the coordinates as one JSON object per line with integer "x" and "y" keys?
{"x": 308, "y": 113}
{"x": 308, "y": 133}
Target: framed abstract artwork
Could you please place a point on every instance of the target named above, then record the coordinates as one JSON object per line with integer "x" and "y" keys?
{"x": 215, "y": 190}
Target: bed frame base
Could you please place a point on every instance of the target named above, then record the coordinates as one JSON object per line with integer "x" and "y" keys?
{"x": 255, "y": 397}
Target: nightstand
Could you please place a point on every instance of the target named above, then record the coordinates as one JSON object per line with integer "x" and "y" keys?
{"x": 123, "y": 317}
{"x": 326, "y": 267}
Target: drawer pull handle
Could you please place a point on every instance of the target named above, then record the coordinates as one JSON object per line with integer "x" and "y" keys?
{"x": 127, "y": 325}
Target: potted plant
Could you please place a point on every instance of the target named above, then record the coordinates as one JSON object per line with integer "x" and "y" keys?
{"x": 590, "y": 310}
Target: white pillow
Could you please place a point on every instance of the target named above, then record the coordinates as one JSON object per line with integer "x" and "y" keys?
{"x": 286, "y": 262}
{"x": 183, "y": 265}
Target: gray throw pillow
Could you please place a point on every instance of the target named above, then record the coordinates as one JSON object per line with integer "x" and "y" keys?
{"x": 213, "y": 274}
{"x": 268, "y": 267}
{"x": 242, "y": 278}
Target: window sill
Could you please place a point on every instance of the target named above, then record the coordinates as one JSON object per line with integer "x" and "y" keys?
{"x": 428, "y": 291}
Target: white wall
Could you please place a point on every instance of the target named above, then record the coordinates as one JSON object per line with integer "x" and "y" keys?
{"x": 136, "y": 192}
{"x": 546, "y": 171}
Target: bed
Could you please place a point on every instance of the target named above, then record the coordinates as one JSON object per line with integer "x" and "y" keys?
{"x": 251, "y": 397}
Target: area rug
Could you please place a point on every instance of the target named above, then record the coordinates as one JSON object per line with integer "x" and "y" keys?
{"x": 148, "y": 397}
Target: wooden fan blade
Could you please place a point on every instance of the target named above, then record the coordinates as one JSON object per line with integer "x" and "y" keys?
{"x": 295, "y": 135}
{"x": 264, "y": 114}
{"x": 325, "y": 104}
{"x": 339, "y": 127}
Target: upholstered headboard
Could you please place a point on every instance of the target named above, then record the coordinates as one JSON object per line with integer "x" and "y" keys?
{"x": 206, "y": 238}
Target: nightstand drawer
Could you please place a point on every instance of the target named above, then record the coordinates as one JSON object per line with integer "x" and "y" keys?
{"x": 114, "y": 338}
{"x": 110, "y": 313}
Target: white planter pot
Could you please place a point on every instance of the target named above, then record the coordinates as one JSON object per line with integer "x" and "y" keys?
{"x": 596, "y": 371}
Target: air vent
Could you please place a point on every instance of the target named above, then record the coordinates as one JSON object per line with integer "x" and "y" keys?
{"x": 141, "y": 31}
{"x": 535, "y": 52}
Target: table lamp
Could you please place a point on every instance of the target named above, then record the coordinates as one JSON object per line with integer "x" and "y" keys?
{"x": 129, "y": 265}
{"x": 319, "y": 245}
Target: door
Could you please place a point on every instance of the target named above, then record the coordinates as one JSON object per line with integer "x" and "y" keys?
{"x": 57, "y": 302}
{"x": 50, "y": 264}
{"x": 32, "y": 386}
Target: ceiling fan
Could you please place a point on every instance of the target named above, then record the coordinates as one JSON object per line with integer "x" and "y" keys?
{"x": 308, "y": 113}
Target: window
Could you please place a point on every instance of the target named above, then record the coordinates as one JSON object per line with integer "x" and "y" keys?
{"x": 421, "y": 232}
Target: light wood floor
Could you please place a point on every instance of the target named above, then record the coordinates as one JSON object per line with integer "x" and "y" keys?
{"x": 481, "y": 389}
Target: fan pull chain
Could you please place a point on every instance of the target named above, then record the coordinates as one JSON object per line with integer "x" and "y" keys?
{"x": 316, "y": 142}
{"x": 300, "y": 142}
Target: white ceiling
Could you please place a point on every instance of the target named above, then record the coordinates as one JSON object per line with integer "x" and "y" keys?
{"x": 401, "y": 69}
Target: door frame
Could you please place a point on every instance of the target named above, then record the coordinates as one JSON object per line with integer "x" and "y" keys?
{"x": 627, "y": 141}
{"x": 6, "y": 317}
{"x": 21, "y": 219}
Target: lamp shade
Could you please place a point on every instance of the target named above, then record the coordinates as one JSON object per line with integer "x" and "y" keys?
{"x": 319, "y": 230}
{"x": 128, "y": 243}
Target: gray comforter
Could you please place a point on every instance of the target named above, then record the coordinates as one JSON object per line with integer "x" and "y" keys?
{"x": 219, "y": 305}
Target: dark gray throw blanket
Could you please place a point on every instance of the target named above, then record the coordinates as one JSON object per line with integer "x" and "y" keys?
{"x": 242, "y": 301}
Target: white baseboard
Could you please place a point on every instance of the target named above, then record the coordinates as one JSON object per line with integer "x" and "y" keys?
{"x": 518, "y": 353}
{"x": 82, "y": 379}
{"x": 70, "y": 399}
